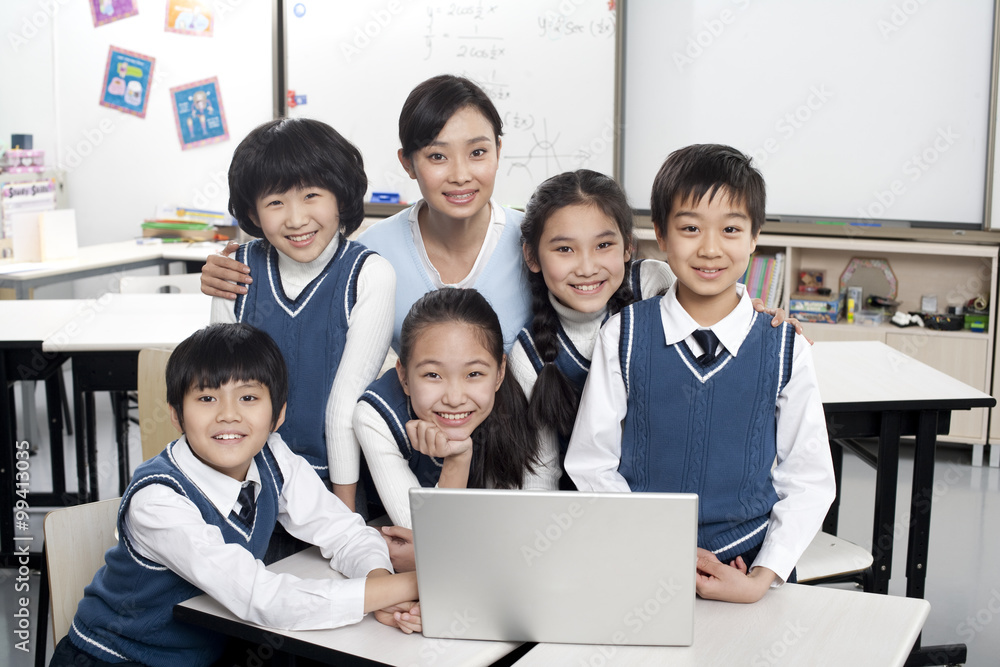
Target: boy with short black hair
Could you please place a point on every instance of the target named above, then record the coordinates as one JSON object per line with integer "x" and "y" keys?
{"x": 197, "y": 519}
{"x": 694, "y": 391}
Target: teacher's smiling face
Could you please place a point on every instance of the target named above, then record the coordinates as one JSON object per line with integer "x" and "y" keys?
{"x": 456, "y": 172}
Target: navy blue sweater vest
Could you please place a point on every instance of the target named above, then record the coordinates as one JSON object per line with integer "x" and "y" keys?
{"x": 310, "y": 330}
{"x": 127, "y": 611}
{"x": 386, "y": 395}
{"x": 705, "y": 430}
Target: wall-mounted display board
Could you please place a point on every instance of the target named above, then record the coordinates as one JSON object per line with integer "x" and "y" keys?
{"x": 874, "y": 112}
{"x": 548, "y": 66}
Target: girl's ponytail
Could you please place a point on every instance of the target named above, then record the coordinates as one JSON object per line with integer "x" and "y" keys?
{"x": 504, "y": 446}
{"x": 554, "y": 399}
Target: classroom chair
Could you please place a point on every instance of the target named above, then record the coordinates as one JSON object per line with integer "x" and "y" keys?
{"x": 831, "y": 559}
{"x": 75, "y": 541}
{"x": 155, "y": 427}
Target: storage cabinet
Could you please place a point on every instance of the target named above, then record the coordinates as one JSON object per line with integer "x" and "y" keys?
{"x": 953, "y": 272}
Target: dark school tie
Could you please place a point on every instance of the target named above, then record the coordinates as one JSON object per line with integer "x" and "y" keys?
{"x": 248, "y": 503}
{"x": 708, "y": 342}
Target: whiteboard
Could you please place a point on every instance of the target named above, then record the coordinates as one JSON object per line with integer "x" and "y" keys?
{"x": 548, "y": 66}
{"x": 870, "y": 110}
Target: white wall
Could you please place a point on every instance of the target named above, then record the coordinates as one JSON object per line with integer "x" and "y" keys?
{"x": 118, "y": 166}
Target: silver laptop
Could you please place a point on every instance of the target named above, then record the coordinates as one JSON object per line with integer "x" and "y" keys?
{"x": 550, "y": 566}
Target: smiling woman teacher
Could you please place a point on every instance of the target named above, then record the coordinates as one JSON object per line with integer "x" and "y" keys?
{"x": 456, "y": 235}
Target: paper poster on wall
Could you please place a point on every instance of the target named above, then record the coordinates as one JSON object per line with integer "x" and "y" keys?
{"x": 126, "y": 81}
{"x": 198, "y": 113}
{"x": 106, "y": 11}
{"x": 189, "y": 17}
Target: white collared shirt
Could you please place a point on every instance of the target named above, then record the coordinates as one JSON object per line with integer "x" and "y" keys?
{"x": 803, "y": 477}
{"x": 168, "y": 528}
{"x": 498, "y": 219}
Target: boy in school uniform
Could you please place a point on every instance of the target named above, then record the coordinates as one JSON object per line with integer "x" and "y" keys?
{"x": 197, "y": 519}
{"x": 694, "y": 391}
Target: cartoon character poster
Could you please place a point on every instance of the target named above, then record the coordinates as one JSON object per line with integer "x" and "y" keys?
{"x": 126, "y": 81}
{"x": 106, "y": 11}
{"x": 198, "y": 113}
{"x": 189, "y": 17}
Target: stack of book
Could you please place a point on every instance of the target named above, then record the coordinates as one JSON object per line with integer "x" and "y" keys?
{"x": 174, "y": 223}
{"x": 765, "y": 278}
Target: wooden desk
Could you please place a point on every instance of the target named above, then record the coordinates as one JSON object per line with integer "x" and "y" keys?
{"x": 23, "y": 327}
{"x": 104, "y": 340}
{"x": 791, "y": 625}
{"x": 365, "y": 643}
{"x": 872, "y": 390}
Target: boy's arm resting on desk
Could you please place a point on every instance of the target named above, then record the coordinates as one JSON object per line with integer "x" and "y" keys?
{"x": 314, "y": 515}
{"x": 390, "y": 471}
{"x": 369, "y": 333}
{"x": 803, "y": 477}
{"x": 595, "y": 447}
{"x": 167, "y": 528}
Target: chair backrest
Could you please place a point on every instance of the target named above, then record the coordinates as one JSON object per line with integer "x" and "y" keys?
{"x": 155, "y": 427}
{"x": 184, "y": 283}
{"x": 75, "y": 541}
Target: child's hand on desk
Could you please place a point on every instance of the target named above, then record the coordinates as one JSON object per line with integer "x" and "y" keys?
{"x": 400, "y": 543}
{"x": 712, "y": 558}
{"x": 730, "y": 583}
{"x": 405, "y": 616}
{"x": 221, "y": 275}
{"x": 427, "y": 438}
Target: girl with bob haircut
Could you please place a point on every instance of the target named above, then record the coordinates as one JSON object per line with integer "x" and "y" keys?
{"x": 298, "y": 186}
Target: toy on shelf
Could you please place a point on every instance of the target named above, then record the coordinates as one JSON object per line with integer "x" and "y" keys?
{"x": 811, "y": 280}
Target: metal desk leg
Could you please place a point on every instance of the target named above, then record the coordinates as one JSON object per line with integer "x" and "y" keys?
{"x": 80, "y": 427}
{"x": 53, "y": 398}
{"x": 93, "y": 490}
{"x": 921, "y": 498}
{"x": 885, "y": 500}
{"x": 119, "y": 401}
{"x": 832, "y": 519}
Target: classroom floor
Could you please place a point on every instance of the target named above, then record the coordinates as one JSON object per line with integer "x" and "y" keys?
{"x": 963, "y": 584}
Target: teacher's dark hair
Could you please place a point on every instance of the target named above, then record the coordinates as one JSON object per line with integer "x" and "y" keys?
{"x": 222, "y": 353}
{"x": 504, "y": 447}
{"x": 432, "y": 104}
{"x": 296, "y": 153}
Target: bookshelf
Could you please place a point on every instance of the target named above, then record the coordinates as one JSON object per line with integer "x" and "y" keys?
{"x": 954, "y": 272}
